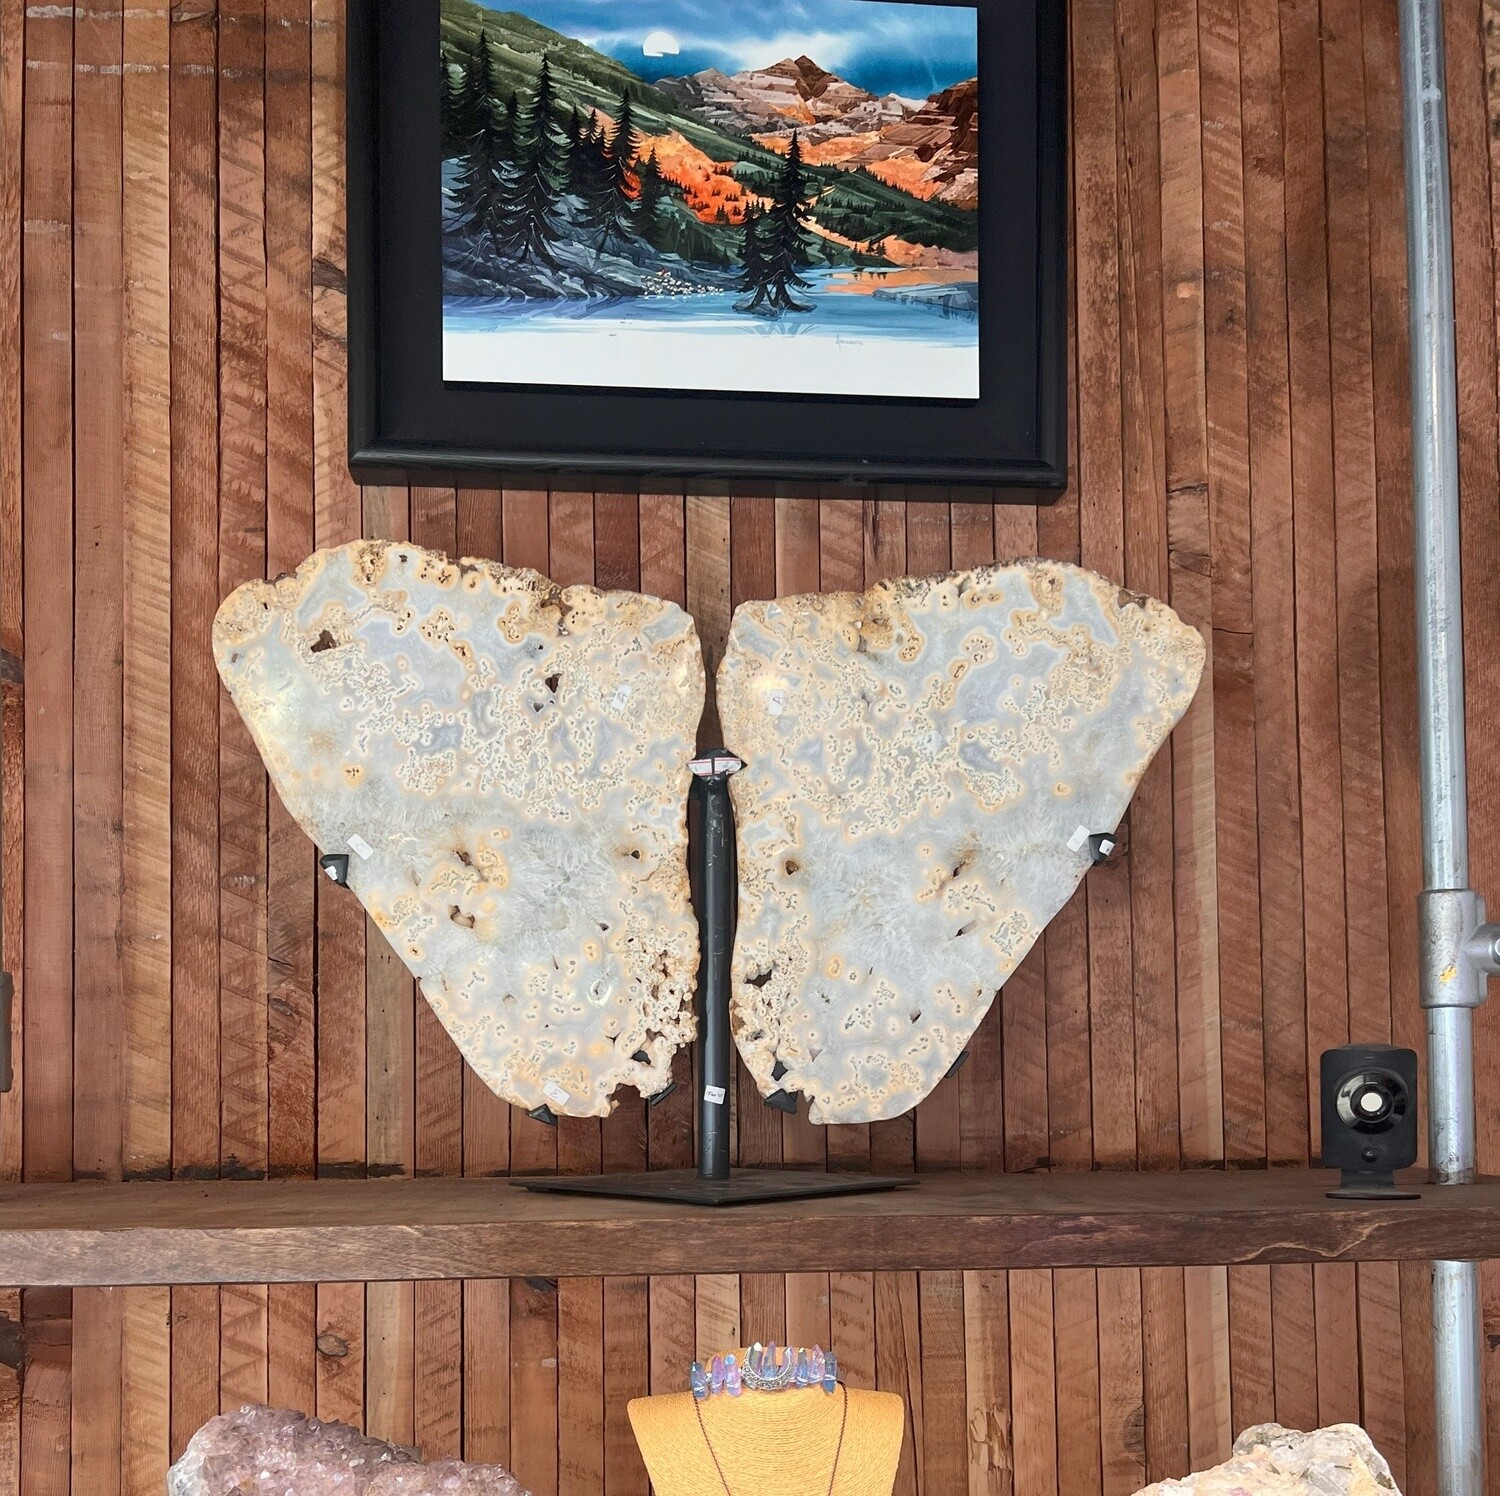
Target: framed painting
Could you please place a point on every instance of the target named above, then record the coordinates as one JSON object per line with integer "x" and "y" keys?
{"x": 752, "y": 240}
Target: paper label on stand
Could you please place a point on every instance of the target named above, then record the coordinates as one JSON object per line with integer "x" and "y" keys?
{"x": 714, "y": 1095}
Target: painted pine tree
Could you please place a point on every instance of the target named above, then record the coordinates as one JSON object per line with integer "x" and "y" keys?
{"x": 537, "y": 177}
{"x": 754, "y": 280}
{"x": 654, "y": 189}
{"x": 448, "y": 92}
{"x": 776, "y": 244}
{"x": 612, "y": 212}
{"x": 482, "y": 189}
{"x": 475, "y": 91}
{"x": 589, "y": 173}
{"x": 574, "y": 132}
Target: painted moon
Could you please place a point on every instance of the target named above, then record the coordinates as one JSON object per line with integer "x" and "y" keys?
{"x": 661, "y": 44}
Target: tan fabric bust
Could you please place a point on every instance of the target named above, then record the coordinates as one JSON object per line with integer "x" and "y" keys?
{"x": 770, "y": 1441}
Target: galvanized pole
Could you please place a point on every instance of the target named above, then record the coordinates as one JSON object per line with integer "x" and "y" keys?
{"x": 1457, "y": 948}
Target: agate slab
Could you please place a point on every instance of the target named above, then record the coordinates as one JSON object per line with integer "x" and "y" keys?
{"x": 925, "y": 763}
{"x": 505, "y": 764}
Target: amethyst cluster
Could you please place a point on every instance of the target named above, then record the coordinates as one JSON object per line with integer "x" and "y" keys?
{"x": 275, "y": 1452}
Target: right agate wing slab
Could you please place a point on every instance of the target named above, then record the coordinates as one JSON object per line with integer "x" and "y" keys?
{"x": 924, "y": 766}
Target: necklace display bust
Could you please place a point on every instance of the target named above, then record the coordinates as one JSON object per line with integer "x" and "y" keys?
{"x": 762, "y": 1441}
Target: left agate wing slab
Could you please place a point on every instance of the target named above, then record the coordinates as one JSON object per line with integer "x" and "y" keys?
{"x": 506, "y": 763}
{"x": 925, "y": 763}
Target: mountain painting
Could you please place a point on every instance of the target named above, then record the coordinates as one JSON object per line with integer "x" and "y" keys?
{"x": 766, "y": 196}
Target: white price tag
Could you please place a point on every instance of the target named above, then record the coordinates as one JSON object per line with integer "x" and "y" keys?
{"x": 1079, "y": 839}
{"x": 621, "y": 696}
{"x": 776, "y": 703}
{"x": 714, "y": 1095}
{"x": 555, "y": 1094}
{"x": 360, "y": 845}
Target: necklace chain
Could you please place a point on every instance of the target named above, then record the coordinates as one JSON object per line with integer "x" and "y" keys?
{"x": 838, "y": 1452}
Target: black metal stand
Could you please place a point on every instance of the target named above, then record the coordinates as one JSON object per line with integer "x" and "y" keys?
{"x": 713, "y": 1182}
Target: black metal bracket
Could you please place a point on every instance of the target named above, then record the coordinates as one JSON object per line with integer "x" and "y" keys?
{"x": 336, "y": 865}
{"x": 1102, "y": 845}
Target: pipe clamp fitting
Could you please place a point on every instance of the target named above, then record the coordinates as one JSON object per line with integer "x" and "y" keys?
{"x": 1458, "y": 950}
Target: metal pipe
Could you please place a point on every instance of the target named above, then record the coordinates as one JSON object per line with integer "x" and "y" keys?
{"x": 1434, "y": 402}
{"x": 1456, "y": 1381}
{"x": 1450, "y": 1072}
{"x": 716, "y": 891}
{"x": 1440, "y": 717}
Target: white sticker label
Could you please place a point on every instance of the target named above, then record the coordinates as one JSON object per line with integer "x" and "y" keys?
{"x": 360, "y": 845}
{"x": 1079, "y": 839}
{"x": 621, "y": 696}
{"x": 714, "y": 1095}
{"x": 555, "y": 1094}
{"x": 776, "y": 703}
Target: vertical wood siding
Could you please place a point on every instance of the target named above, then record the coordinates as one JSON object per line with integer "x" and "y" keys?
{"x": 194, "y": 1001}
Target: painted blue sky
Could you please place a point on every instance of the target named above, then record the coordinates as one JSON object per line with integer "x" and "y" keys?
{"x": 911, "y": 50}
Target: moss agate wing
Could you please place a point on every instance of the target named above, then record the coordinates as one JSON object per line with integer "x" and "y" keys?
{"x": 505, "y": 761}
{"x": 924, "y": 765}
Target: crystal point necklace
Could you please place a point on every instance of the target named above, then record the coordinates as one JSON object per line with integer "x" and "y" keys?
{"x": 838, "y": 1452}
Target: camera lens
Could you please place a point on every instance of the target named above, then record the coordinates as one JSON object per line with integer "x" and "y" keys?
{"x": 1372, "y": 1101}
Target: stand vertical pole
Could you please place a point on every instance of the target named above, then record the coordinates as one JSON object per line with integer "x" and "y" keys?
{"x": 1452, "y": 974}
{"x": 716, "y": 896}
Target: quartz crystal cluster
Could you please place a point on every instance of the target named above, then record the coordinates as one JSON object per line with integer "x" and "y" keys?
{"x": 274, "y": 1452}
{"x": 764, "y": 1368}
{"x": 925, "y": 766}
{"x": 504, "y": 764}
{"x": 1270, "y": 1460}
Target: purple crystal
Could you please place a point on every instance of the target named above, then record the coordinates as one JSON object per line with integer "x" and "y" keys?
{"x": 816, "y": 1364}
{"x": 732, "y": 1376}
{"x": 716, "y": 1374}
{"x": 804, "y": 1371}
{"x": 830, "y": 1373}
{"x": 698, "y": 1380}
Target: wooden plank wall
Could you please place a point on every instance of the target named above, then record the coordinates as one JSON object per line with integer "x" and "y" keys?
{"x": 194, "y": 1000}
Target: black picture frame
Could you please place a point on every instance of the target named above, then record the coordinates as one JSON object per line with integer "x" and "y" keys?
{"x": 407, "y": 425}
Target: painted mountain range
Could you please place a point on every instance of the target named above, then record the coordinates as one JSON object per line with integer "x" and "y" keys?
{"x": 882, "y": 183}
{"x": 929, "y": 149}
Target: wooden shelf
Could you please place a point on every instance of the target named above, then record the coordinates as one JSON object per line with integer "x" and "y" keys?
{"x": 371, "y": 1230}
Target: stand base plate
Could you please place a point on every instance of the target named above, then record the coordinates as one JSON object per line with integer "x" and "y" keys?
{"x": 1371, "y": 1192}
{"x": 685, "y": 1187}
